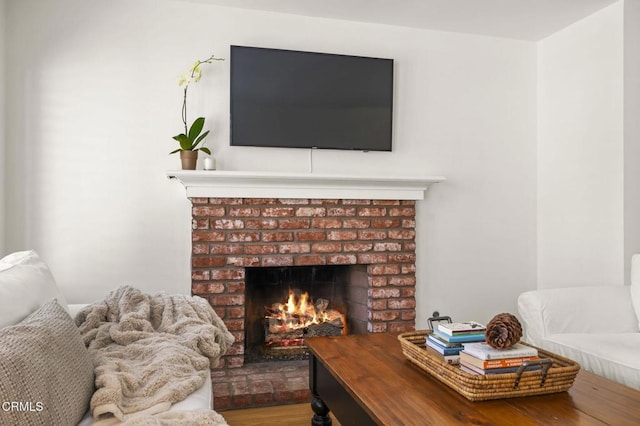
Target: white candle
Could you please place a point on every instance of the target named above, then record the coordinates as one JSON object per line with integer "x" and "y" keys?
{"x": 209, "y": 163}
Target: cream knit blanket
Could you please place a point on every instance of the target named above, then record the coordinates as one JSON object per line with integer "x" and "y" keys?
{"x": 150, "y": 352}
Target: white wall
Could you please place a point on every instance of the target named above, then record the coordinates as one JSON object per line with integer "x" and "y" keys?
{"x": 95, "y": 102}
{"x": 2, "y": 126}
{"x": 631, "y": 132}
{"x": 580, "y": 153}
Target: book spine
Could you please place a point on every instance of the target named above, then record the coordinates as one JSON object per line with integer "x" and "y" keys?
{"x": 496, "y": 363}
{"x": 501, "y": 355}
{"x": 467, "y": 339}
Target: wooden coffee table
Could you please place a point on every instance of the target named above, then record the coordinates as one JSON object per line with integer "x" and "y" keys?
{"x": 365, "y": 379}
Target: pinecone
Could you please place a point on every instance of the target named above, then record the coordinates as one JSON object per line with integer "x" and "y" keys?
{"x": 503, "y": 331}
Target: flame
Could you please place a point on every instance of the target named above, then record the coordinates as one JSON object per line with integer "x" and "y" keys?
{"x": 296, "y": 313}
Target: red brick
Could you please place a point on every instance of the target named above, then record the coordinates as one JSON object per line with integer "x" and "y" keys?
{"x": 210, "y": 288}
{"x": 277, "y": 211}
{"x": 237, "y": 312}
{"x": 237, "y": 300}
{"x": 326, "y": 247}
{"x": 409, "y": 246}
{"x": 294, "y": 223}
{"x": 293, "y": 201}
{"x": 326, "y": 223}
{"x": 387, "y": 247}
{"x": 310, "y": 260}
{"x": 370, "y": 234}
{"x": 199, "y": 200}
{"x": 244, "y": 211}
{"x": 358, "y": 247}
{"x": 341, "y": 211}
{"x": 277, "y": 236}
{"x": 200, "y": 275}
{"x": 383, "y": 315}
{"x": 378, "y": 281}
{"x": 227, "y": 274}
{"x": 385, "y": 223}
{"x": 384, "y": 269}
{"x": 260, "y": 201}
{"x": 277, "y": 261}
{"x": 401, "y": 303}
{"x": 402, "y": 211}
{"x": 386, "y": 202}
{"x": 402, "y": 257}
{"x": 368, "y": 258}
{"x": 342, "y": 235}
{"x": 331, "y": 202}
{"x": 208, "y": 262}
{"x": 310, "y": 235}
{"x": 207, "y": 236}
{"x": 408, "y": 269}
{"x": 235, "y": 362}
{"x": 235, "y": 237}
{"x": 405, "y": 234}
{"x": 408, "y": 292}
{"x": 408, "y": 223}
{"x": 294, "y": 248}
{"x": 199, "y": 224}
{"x": 260, "y": 248}
{"x": 229, "y": 201}
{"x": 379, "y": 327}
{"x": 227, "y": 249}
{"x": 200, "y": 248}
{"x": 311, "y": 211}
{"x": 402, "y": 281}
{"x": 342, "y": 259}
{"x": 372, "y": 211}
{"x": 207, "y": 211}
{"x": 384, "y": 293}
{"x": 227, "y": 224}
{"x": 377, "y": 304}
{"x": 234, "y": 324}
{"x": 243, "y": 261}
{"x": 357, "y": 202}
{"x": 261, "y": 223}
{"x": 408, "y": 315}
{"x": 356, "y": 223}
{"x": 235, "y": 287}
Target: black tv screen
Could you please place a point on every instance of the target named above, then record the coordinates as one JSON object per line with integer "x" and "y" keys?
{"x": 293, "y": 99}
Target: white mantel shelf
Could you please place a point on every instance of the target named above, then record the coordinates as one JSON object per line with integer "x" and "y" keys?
{"x": 238, "y": 184}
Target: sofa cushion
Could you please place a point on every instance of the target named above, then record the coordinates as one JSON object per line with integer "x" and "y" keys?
{"x": 45, "y": 369}
{"x": 611, "y": 355}
{"x": 635, "y": 284}
{"x": 25, "y": 284}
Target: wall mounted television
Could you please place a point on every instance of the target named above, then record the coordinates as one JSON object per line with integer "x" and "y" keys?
{"x": 294, "y": 99}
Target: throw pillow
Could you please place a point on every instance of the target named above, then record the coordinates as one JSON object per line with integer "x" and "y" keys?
{"x": 25, "y": 284}
{"x": 46, "y": 373}
{"x": 635, "y": 284}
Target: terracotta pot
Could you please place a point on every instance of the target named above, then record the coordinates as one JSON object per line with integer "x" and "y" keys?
{"x": 188, "y": 159}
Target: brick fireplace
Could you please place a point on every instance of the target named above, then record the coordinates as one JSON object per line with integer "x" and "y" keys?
{"x": 243, "y": 220}
{"x": 232, "y": 234}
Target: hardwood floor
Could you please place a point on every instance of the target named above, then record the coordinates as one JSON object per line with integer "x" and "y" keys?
{"x": 281, "y": 415}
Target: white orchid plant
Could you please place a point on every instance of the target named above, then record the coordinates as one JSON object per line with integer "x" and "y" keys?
{"x": 192, "y": 136}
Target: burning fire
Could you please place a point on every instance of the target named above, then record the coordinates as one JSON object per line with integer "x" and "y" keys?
{"x": 298, "y": 313}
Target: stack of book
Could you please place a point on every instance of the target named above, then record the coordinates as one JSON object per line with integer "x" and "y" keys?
{"x": 447, "y": 339}
{"x": 480, "y": 358}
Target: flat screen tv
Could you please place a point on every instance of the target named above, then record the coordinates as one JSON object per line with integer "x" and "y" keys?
{"x": 293, "y": 99}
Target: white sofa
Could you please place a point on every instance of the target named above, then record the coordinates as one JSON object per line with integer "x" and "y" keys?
{"x": 597, "y": 326}
{"x": 41, "y": 345}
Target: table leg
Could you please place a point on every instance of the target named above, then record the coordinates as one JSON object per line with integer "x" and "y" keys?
{"x": 321, "y": 416}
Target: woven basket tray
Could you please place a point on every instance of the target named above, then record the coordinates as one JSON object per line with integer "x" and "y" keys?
{"x": 559, "y": 377}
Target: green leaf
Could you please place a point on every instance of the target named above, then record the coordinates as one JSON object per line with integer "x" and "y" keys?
{"x": 181, "y": 137}
{"x": 196, "y": 128}
{"x": 205, "y": 149}
{"x": 175, "y": 150}
{"x": 186, "y": 145}
{"x": 202, "y": 136}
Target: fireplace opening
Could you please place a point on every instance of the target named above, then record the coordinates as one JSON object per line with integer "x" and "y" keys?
{"x": 285, "y": 305}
